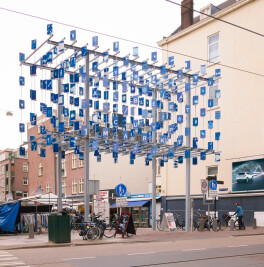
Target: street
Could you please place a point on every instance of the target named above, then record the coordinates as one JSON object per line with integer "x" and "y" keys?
{"x": 217, "y": 251}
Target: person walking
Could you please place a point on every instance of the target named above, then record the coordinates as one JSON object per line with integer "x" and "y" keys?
{"x": 240, "y": 214}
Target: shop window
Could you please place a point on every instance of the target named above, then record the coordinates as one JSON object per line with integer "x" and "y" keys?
{"x": 74, "y": 161}
{"x": 25, "y": 167}
{"x": 81, "y": 185}
{"x": 40, "y": 169}
{"x": 213, "y": 49}
{"x": 74, "y": 186}
{"x": 25, "y": 181}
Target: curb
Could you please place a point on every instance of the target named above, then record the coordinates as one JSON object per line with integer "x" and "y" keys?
{"x": 81, "y": 244}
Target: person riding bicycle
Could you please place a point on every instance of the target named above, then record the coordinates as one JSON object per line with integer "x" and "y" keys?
{"x": 240, "y": 214}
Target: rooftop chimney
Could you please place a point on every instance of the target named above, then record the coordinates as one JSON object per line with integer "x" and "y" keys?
{"x": 186, "y": 14}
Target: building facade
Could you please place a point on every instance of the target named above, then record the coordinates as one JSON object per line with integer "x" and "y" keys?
{"x": 238, "y": 53}
{"x": 42, "y": 170}
{"x": 14, "y": 177}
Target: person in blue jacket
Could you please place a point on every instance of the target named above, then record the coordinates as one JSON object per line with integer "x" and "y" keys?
{"x": 240, "y": 214}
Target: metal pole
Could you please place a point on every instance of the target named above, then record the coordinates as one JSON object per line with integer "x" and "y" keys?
{"x": 86, "y": 144}
{"x": 188, "y": 164}
{"x": 154, "y": 168}
{"x": 59, "y": 174}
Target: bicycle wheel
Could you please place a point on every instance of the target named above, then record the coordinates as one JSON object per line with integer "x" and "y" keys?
{"x": 159, "y": 225}
{"x": 93, "y": 233}
{"x": 224, "y": 224}
{"x": 109, "y": 231}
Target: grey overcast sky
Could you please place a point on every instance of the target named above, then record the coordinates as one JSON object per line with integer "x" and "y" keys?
{"x": 144, "y": 21}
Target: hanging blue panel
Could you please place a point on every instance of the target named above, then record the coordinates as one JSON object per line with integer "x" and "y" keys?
{"x": 8, "y": 215}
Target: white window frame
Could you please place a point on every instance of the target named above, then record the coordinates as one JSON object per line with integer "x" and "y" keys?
{"x": 217, "y": 58}
{"x": 74, "y": 157}
{"x": 40, "y": 169}
{"x": 81, "y": 163}
{"x": 63, "y": 168}
{"x": 25, "y": 167}
{"x": 74, "y": 186}
{"x": 25, "y": 180}
{"x": 211, "y": 167}
{"x": 81, "y": 185}
{"x": 25, "y": 194}
{"x": 48, "y": 188}
{"x": 64, "y": 188}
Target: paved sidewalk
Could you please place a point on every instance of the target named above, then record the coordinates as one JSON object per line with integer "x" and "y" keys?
{"x": 143, "y": 235}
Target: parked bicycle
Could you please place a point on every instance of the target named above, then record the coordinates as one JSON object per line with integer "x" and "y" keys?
{"x": 226, "y": 218}
{"x": 111, "y": 227}
{"x": 208, "y": 222}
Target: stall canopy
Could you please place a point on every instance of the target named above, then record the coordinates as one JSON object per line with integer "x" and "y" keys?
{"x": 8, "y": 215}
{"x": 134, "y": 203}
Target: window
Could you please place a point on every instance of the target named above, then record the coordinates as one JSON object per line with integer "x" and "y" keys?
{"x": 74, "y": 161}
{"x": 64, "y": 189}
{"x": 63, "y": 168}
{"x": 214, "y": 93}
{"x": 81, "y": 163}
{"x": 213, "y": 48}
{"x": 25, "y": 167}
{"x": 158, "y": 189}
{"x": 47, "y": 188}
{"x": 212, "y": 171}
{"x": 25, "y": 181}
{"x": 74, "y": 186}
{"x": 81, "y": 185}
{"x": 40, "y": 169}
{"x": 25, "y": 194}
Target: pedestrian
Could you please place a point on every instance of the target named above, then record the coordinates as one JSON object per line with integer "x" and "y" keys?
{"x": 240, "y": 214}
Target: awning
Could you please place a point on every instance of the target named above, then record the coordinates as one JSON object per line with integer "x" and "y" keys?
{"x": 134, "y": 203}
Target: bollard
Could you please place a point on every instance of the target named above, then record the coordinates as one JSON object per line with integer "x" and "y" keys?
{"x": 215, "y": 225}
{"x": 254, "y": 223}
{"x": 31, "y": 231}
{"x": 232, "y": 225}
{"x": 201, "y": 225}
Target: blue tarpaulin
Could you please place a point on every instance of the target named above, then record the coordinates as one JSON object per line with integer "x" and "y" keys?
{"x": 8, "y": 214}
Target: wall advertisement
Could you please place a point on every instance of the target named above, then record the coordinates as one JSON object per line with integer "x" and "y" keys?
{"x": 248, "y": 175}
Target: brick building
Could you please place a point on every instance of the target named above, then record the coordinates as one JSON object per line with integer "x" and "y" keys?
{"x": 13, "y": 174}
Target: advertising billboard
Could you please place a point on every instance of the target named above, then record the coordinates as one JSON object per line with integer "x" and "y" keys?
{"x": 248, "y": 175}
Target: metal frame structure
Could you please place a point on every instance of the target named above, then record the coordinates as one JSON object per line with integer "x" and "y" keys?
{"x": 84, "y": 141}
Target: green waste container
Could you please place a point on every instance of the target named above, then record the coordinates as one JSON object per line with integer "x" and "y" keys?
{"x": 59, "y": 228}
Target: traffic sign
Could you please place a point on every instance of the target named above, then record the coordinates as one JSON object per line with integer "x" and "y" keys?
{"x": 121, "y": 190}
{"x": 121, "y": 202}
{"x": 204, "y": 185}
{"x": 213, "y": 185}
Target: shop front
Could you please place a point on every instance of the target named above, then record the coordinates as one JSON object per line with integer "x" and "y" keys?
{"x": 140, "y": 207}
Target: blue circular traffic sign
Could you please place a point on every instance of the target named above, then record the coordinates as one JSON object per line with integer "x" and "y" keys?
{"x": 121, "y": 190}
{"x": 213, "y": 185}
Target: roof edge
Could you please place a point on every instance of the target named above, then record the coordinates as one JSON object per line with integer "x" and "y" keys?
{"x": 203, "y": 22}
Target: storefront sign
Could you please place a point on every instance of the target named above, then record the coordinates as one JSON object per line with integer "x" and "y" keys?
{"x": 103, "y": 195}
{"x": 168, "y": 221}
{"x": 149, "y": 195}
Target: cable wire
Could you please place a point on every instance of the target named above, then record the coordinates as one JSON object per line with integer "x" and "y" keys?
{"x": 130, "y": 41}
